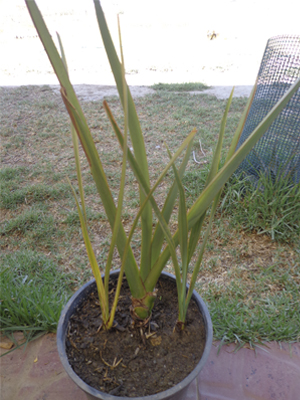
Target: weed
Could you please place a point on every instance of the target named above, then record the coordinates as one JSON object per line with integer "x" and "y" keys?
{"x": 271, "y": 206}
{"x": 12, "y": 195}
{"x": 27, "y": 221}
{"x": 73, "y": 218}
{"x": 33, "y": 292}
{"x": 180, "y": 87}
{"x": 13, "y": 174}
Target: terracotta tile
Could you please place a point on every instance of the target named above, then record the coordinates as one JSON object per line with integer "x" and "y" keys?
{"x": 272, "y": 375}
{"x": 265, "y": 375}
{"x": 26, "y": 392}
{"x": 47, "y": 365}
{"x": 64, "y": 389}
{"x": 192, "y": 391}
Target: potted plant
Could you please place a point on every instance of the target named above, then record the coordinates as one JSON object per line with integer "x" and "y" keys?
{"x": 101, "y": 297}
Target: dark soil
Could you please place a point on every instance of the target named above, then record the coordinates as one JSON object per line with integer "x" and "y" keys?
{"x": 131, "y": 361}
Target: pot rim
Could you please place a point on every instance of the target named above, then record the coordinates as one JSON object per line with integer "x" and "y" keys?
{"x": 61, "y": 334}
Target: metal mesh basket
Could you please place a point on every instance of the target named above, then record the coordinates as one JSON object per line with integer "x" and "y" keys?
{"x": 277, "y": 153}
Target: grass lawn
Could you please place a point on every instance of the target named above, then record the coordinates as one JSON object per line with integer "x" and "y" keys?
{"x": 250, "y": 276}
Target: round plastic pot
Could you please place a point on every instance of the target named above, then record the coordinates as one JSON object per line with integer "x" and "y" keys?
{"x": 177, "y": 392}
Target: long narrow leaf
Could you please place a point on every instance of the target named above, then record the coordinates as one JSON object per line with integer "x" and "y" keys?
{"x": 183, "y": 240}
{"x": 120, "y": 199}
{"x": 241, "y": 123}
{"x": 168, "y": 207}
{"x": 217, "y": 154}
{"x": 135, "y": 133}
{"x": 195, "y": 235}
{"x": 117, "y": 222}
{"x": 93, "y": 262}
{"x": 200, "y": 256}
{"x": 135, "y": 167}
{"x": 141, "y": 180}
{"x": 62, "y": 53}
{"x": 131, "y": 267}
{"x": 74, "y": 137}
{"x": 211, "y": 175}
{"x": 221, "y": 178}
{"x": 169, "y": 203}
{"x": 162, "y": 222}
{"x": 196, "y": 229}
{"x": 78, "y": 169}
{"x": 133, "y": 163}
{"x": 86, "y": 139}
{"x": 165, "y": 229}
{"x": 226, "y": 171}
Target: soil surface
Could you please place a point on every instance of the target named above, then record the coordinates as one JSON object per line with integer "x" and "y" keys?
{"x": 131, "y": 361}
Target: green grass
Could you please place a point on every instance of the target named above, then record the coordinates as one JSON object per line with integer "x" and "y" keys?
{"x": 34, "y": 228}
{"x": 12, "y": 195}
{"x": 33, "y": 292}
{"x": 270, "y": 312}
{"x": 180, "y": 87}
{"x": 250, "y": 271}
{"x": 13, "y": 174}
{"x": 194, "y": 182}
{"x": 72, "y": 217}
{"x": 255, "y": 303}
{"x": 31, "y": 220}
{"x": 270, "y": 206}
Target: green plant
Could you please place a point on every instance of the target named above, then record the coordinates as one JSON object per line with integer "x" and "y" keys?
{"x": 268, "y": 205}
{"x": 159, "y": 246}
{"x": 180, "y": 87}
{"x": 33, "y": 292}
{"x": 270, "y": 313}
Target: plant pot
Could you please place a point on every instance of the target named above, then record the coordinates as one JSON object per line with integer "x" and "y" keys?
{"x": 177, "y": 392}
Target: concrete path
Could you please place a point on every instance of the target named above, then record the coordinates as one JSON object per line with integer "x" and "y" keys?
{"x": 218, "y": 42}
{"x": 269, "y": 373}
{"x": 99, "y": 92}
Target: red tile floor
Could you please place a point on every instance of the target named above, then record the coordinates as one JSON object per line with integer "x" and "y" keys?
{"x": 270, "y": 373}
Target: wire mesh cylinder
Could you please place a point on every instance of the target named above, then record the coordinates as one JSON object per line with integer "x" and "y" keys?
{"x": 277, "y": 153}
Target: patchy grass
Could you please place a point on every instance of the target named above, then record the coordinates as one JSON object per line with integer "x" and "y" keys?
{"x": 33, "y": 292}
{"x": 250, "y": 303}
{"x": 180, "y": 87}
{"x": 250, "y": 273}
{"x": 12, "y": 195}
{"x": 271, "y": 206}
